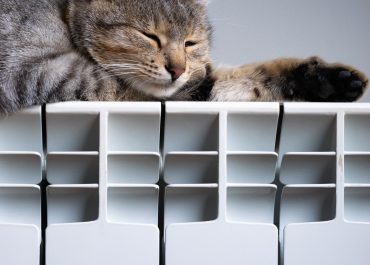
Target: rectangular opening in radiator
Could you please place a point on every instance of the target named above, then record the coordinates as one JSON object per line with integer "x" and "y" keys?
{"x": 251, "y": 204}
{"x": 191, "y": 132}
{"x": 133, "y": 205}
{"x": 190, "y": 204}
{"x": 73, "y": 168}
{"x": 356, "y": 132}
{"x": 133, "y": 132}
{"x": 251, "y": 168}
{"x": 72, "y": 204}
{"x": 191, "y": 168}
{"x": 357, "y": 168}
{"x": 308, "y": 133}
{"x": 72, "y": 132}
{"x": 251, "y": 132}
{"x": 357, "y": 204}
{"x": 304, "y": 205}
{"x": 305, "y": 168}
{"x": 20, "y": 168}
{"x": 21, "y": 131}
{"x": 133, "y": 168}
{"x": 20, "y": 205}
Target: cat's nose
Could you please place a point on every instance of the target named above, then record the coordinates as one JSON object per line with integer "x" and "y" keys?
{"x": 175, "y": 72}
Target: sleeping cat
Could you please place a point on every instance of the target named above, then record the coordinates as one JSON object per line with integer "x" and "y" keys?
{"x": 141, "y": 50}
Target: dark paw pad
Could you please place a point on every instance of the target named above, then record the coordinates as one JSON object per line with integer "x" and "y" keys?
{"x": 347, "y": 84}
{"x": 331, "y": 83}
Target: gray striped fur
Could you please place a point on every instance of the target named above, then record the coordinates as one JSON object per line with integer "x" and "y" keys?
{"x": 50, "y": 50}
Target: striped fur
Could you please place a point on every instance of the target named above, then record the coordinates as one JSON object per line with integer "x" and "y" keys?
{"x": 59, "y": 50}
{"x": 116, "y": 50}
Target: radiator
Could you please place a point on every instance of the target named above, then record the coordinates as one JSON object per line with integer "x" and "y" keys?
{"x": 185, "y": 184}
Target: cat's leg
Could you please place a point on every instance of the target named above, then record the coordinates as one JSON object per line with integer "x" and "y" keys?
{"x": 309, "y": 79}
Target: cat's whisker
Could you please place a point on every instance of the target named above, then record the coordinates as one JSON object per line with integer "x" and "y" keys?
{"x": 126, "y": 60}
{"x": 119, "y": 73}
{"x": 106, "y": 77}
{"x": 132, "y": 81}
{"x": 120, "y": 63}
{"x": 197, "y": 71}
{"x": 155, "y": 77}
{"x": 121, "y": 66}
{"x": 139, "y": 83}
{"x": 124, "y": 75}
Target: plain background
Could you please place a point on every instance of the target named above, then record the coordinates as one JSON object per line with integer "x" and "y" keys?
{"x": 248, "y": 31}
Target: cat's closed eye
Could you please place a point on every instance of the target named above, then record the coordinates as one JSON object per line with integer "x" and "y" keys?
{"x": 190, "y": 43}
{"x": 154, "y": 38}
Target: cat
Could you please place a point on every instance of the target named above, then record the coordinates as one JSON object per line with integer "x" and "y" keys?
{"x": 142, "y": 50}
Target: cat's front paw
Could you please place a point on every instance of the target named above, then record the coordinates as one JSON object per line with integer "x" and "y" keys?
{"x": 332, "y": 82}
{"x": 348, "y": 83}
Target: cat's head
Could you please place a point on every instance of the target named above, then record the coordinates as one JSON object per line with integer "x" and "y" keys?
{"x": 156, "y": 46}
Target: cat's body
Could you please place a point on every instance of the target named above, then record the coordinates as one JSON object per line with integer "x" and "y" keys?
{"x": 119, "y": 50}
{"x": 39, "y": 63}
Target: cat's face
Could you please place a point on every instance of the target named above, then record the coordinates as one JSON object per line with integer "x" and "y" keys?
{"x": 157, "y": 46}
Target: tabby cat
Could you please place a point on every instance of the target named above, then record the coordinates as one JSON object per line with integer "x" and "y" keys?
{"x": 141, "y": 50}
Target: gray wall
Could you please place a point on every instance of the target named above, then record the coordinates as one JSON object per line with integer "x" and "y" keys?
{"x": 248, "y": 31}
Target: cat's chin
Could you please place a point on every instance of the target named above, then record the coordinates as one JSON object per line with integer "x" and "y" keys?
{"x": 160, "y": 91}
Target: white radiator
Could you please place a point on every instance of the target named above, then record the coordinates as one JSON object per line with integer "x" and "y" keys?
{"x": 186, "y": 184}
